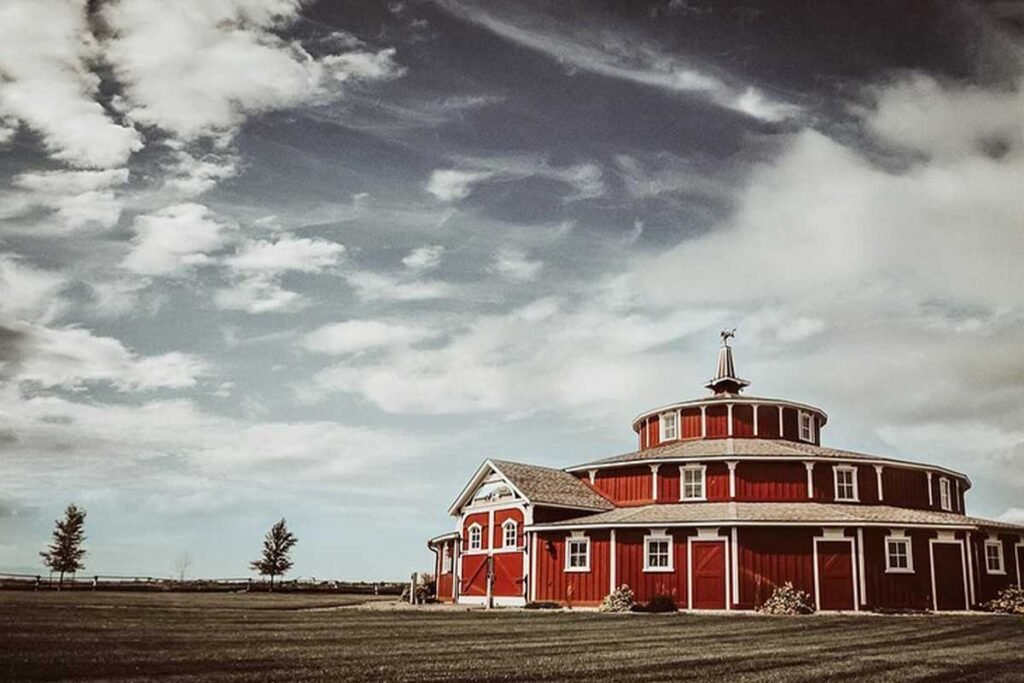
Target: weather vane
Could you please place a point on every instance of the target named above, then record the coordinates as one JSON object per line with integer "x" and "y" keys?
{"x": 727, "y": 335}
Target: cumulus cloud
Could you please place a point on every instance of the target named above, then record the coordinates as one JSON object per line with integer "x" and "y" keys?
{"x": 383, "y": 287}
{"x": 78, "y": 199}
{"x": 513, "y": 264}
{"x": 174, "y": 239}
{"x": 355, "y": 336}
{"x": 257, "y": 294}
{"x": 424, "y": 258}
{"x": 286, "y": 253}
{"x": 450, "y": 184}
{"x": 28, "y": 293}
{"x": 46, "y": 55}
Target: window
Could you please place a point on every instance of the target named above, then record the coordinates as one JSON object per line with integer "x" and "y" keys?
{"x": 657, "y": 553}
{"x": 806, "y": 427}
{"x": 669, "y": 426}
{"x": 846, "y": 483}
{"x": 577, "y": 555}
{"x": 691, "y": 482}
{"x": 476, "y": 537}
{"x": 945, "y": 500}
{"x": 446, "y": 560}
{"x": 899, "y": 558}
{"x": 509, "y": 534}
{"x": 994, "y": 557}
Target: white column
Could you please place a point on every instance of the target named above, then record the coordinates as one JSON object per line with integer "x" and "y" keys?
{"x": 735, "y": 566}
{"x": 592, "y": 474}
{"x": 968, "y": 547}
{"x": 755, "y": 419}
{"x": 732, "y": 477}
{"x": 878, "y": 479}
{"x": 780, "y": 422}
{"x": 860, "y": 567}
{"x": 533, "y": 568}
{"x": 729, "y": 418}
{"x": 611, "y": 563}
{"x": 654, "y": 482}
{"x": 703, "y": 421}
{"x": 810, "y": 479}
{"x": 931, "y": 496}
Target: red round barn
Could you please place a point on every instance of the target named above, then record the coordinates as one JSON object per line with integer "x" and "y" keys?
{"x": 726, "y": 498}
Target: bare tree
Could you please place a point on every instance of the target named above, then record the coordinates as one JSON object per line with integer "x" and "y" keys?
{"x": 182, "y": 563}
{"x": 65, "y": 552}
{"x": 276, "y": 545}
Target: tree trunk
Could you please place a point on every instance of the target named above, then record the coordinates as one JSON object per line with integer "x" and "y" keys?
{"x": 60, "y": 582}
{"x": 271, "y": 583}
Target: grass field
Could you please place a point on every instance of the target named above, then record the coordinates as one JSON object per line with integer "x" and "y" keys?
{"x": 192, "y": 637}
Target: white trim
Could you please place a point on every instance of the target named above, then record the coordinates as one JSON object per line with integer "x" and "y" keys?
{"x": 732, "y": 477}
{"x": 703, "y": 469}
{"x": 734, "y": 556}
{"x": 782, "y": 424}
{"x": 613, "y": 563}
{"x": 931, "y": 494}
{"x": 861, "y": 575}
{"x": 945, "y": 494}
{"x": 504, "y": 534}
{"x": 592, "y": 474}
{"x": 496, "y": 600}
{"x": 534, "y": 551}
{"x": 470, "y": 546}
{"x": 878, "y": 483}
{"x": 756, "y": 406}
{"x": 663, "y": 430}
{"x": 658, "y": 536}
{"x": 654, "y": 481}
{"x": 728, "y": 413}
{"x": 690, "y": 540}
{"x": 800, "y": 416}
{"x": 577, "y": 539}
{"x": 970, "y": 568}
{"x": 730, "y": 522}
{"x": 1017, "y": 547}
{"x": 830, "y": 537}
{"x": 738, "y": 400}
{"x": 1001, "y": 571}
{"x": 908, "y": 550}
{"x": 703, "y": 422}
{"x": 810, "y": 478}
{"x": 852, "y": 469}
{"x": 474, "y": 483}
{"x": 963, "y": 569}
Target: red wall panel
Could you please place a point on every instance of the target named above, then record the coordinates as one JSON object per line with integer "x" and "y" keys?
{"x": 768, "y": 422}
{"x": 474, "y": 574}
{"x": 742, "y": 421}
{"x": 653, "y": 431}
{"x": 497, "y": 534}
{"x": 555, "y": 584}
{"x": 629, "y": 567}
{"x": 770, "y": 556}
{"x": 897, "y": 591}
{"x": 481, "y": 518}
{"x": 668, "y": 484}
{"x": 771, "y": 481}
{"x": 789, "y": 424}
{"x": 718, "y": 421}
{"x": 691, "y": 423}
{"x": 905, "y": 487}
{"x": 717, "y": 482}
{"x": 625, "y": 485}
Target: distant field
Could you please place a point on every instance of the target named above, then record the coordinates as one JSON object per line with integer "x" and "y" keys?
{"x": 79, "y": 636}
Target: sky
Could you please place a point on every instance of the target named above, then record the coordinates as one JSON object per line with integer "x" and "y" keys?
{"x": 319, "y": 260}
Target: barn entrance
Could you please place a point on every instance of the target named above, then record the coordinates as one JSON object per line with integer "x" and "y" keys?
{"x": 949, "y": 578}
{"x": 834, "y": 579}
{"x": 707, "y": 575}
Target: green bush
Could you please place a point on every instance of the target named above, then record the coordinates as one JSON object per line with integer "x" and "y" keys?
{"x": 658, "y": 604}
{"x": 1009, "y": 601}
{"x": 787, "y": 600}
{"x": 619, "y": 600}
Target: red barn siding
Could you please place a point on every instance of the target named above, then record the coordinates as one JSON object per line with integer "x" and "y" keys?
{"x": 718, "y": 421}
{"x": 771, "y": 481}
{"x": 481, "y": 518}
{"x": 989, "y": 585}
{"x": 897, "y": 591}
{"x": 668, "y": 484}
{"x": 743, "y": 421}
{"x": 653, "y": 431}
{"x": 555, "y": 584}
{"x": 824, "y": 482}
{"x": 498, "y": 533}
{"x": 629, "y": 545}
{"x": 789, "y": 424}
{"x": 768, "y": 422}
{"x": 474, "y": 575}
{"x": 905, "y": 487}
{"x": 867, "y": 484}
{"x": 717, "y": 482}
{"x": 625, "y": 485}
{"x": 770, "y": 556}
{"x": 690, "y": 421}
{"x": 508, "y": 574}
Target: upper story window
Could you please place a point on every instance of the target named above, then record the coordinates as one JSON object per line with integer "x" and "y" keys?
{"x": 806, "y": 426}
{"x": 509, "y": 534}
{"x": 658, "y": 553}
{"x": 899, "y": 555}
{"x": 691, "y": 482}
{"x": 669, "y": 426}
{"x": 846, "y": 483}
{"x": 994, "y": 557}
{"x": 446, "y": 560}
{"x": 577, "y": 554}
{"x": 945, "y": 498}
{"x": 476, "y": 536}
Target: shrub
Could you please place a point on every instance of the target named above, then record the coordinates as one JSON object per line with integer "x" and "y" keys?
{"x": 787, "y": 600}
{"x": 619, "y": 600}
{"x": 658, "y": 604}
{"x": 542, "y": 605}
{"x": 1009, "y": 601}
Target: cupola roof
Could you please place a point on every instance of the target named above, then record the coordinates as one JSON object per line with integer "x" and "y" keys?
{"x": 725, "y": 380}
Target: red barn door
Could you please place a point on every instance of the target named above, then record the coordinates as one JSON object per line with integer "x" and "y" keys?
{"x": 948, "y": 576}
{"x": 835, "y": 575}
{"x": 708, "y": 578}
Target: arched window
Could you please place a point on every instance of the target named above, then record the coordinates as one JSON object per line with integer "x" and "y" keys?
{"x": 510, "y": 534}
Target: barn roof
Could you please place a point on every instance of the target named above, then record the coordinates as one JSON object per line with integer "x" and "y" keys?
{"x": 550, "y": 486}
{"x": 774, "y": 448}
{"x": 783, "y": 513}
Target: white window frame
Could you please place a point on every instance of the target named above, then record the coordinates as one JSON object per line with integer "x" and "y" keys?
{"x": 446, "y": 559}
{"x": 908, "y": 550}
{"x": 659, "y": 537}
{"x": 478, "y": 528}
{"x": 703, "y": 470}
{"x": 852, "y": 469}
{"x": 945, "y": 494}
{"x": 807, "y": 435}
{"x": 1001, "y": 569}
{"x": 569, "y": 542}
{"x": 505, "y": 527}
{"x": 663, "y": 429}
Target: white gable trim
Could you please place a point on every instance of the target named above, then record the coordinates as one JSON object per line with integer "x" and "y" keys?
{"x": 485, "y": 469}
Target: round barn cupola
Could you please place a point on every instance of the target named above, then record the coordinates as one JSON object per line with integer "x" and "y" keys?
{"x": 725, "y": 380}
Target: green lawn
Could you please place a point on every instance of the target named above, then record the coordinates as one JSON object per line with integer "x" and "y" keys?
{"x": 192, "y": 637}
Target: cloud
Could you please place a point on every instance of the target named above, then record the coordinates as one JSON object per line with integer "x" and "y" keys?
{"x": 199, "y": 67}
{"x": 620, "y": 56}
{"x": 28, "y": 293}
{"x": 80, "y": 199}
{"x": 286, "y": 253}
{"x": 174, "y": 239}
{"x": 513, "y": 265}
{"x": 72, "y": 357}
{"x": 46, "y": 52}
{"x": 355, "y": 336}
{"x": 381, "y": 287}
{"x": 450, "y": 185}
{"x": 258, "y": 294}
{"x": 424, "y": 258}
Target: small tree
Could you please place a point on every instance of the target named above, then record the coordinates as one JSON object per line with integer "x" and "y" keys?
{"x": 65, "y": 552}
{"x": 276, "y": 545}
{"x": 182, "y": 563}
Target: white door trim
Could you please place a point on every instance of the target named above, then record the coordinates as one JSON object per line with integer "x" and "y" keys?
{"x": 853, "y": 569}
{"x": 724, "y": 540}
{"x": 963, "y": 569}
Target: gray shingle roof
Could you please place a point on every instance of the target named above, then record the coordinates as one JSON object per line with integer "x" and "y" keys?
{"x": 824, "y": 513}
{"x": 546, "y": 485}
